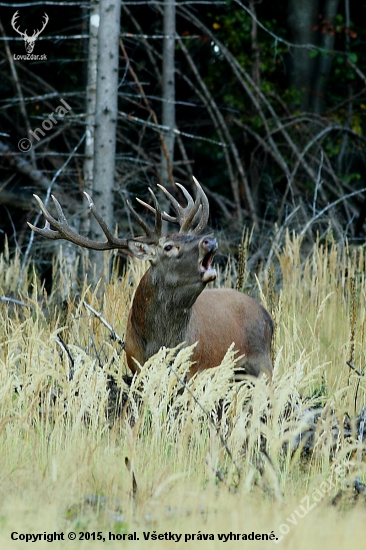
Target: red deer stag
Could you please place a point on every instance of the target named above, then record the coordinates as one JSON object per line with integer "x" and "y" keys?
{"x": 171, "y": 304}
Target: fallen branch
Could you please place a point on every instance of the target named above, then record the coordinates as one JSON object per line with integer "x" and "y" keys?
{"x": 7, "y": 300}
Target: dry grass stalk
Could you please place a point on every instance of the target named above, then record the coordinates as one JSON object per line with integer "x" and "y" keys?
{"x": 58, "y": 444}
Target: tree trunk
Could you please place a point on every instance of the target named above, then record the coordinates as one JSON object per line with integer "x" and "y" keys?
{"x": 105, "y": 121}
{"x": 325, "y": 61}
{"x": 91, "y": 95}
{"x": 302, "y": 17}
{"x": 168, "y": 111}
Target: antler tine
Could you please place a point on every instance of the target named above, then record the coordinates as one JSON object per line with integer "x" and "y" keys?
{"x": 119, "y": 243}
{"x": 14, "y": 22}
{"x": 37, "y": 32}
{"x": 138, "y": 218}
{"x": 158, "y": 214}
{"x": 192, "y": 208}
{"x": 156, "y": 233}
{"x": 190, "y": 201}
{"x": 46, "y": 214}
{"x": 45, "y": 231}
{"x": 205, "y": 206}
{"x": 177, "y": 207}
{"x": 61, "y": 215}
{"x": 64, "y": 231}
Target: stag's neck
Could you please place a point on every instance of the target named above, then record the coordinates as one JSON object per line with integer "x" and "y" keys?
{"x": 160, "y": 316}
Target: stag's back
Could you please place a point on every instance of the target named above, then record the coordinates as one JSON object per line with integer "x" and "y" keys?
{"x": 223, "y": 316}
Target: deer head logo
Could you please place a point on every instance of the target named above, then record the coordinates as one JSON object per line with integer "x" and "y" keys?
{"x": 29, "y": 40}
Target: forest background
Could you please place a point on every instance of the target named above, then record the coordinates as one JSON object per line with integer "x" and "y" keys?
{"x": 266, "y": 109}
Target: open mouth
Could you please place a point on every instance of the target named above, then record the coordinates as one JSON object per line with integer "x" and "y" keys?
{"x": 207, "y": 252}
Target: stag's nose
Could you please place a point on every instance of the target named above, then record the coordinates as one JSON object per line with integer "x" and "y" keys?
{"x": 209, "y": 244}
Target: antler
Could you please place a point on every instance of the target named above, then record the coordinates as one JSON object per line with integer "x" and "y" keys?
{"x": 62, "y": 230}
{"x": 196, "y": 212}
{"x": 13, "y": 21}
{"x": 191, "y": 218}
{"x": 37, "y": 33}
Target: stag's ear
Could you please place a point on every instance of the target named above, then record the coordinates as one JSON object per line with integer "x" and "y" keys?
{"x": 143, "y": 251}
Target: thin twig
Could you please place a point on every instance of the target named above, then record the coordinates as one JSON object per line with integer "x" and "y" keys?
{"x": 159, "y": 127}
{"x": 319, "y": 214}
{"x": 351, "y": 366}
{"x": 114, "y": 335}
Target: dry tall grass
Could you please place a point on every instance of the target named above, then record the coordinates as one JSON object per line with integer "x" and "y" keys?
{"x": 62, "y": 459}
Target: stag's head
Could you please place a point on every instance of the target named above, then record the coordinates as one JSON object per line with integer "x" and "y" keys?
{"x": 181, "y": 259}
{"x": 29, "y": 40}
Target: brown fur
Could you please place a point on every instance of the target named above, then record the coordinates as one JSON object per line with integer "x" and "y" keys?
{"x": 223, "y": 316}
{"x": 215, "y": 320}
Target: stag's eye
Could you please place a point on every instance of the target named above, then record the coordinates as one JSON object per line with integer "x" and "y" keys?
{"x": 167, "y": 247}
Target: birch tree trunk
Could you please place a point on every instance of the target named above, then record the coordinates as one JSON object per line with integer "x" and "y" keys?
{"x": 91, "y": 97}
{"x": 168, "y": 111}
{"x": 105, "y": 121}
